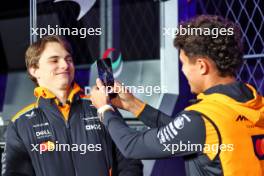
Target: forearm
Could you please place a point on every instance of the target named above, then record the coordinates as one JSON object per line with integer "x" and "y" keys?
{"x": 150, "y": 144}
{"x": 153, "y": 117}
{"x": 147, "y": 114}
{"x": 131, "y": 143}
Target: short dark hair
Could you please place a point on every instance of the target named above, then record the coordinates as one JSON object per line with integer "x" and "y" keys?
{"x": 34, "y": 51}
{"x": 225, "y": 50}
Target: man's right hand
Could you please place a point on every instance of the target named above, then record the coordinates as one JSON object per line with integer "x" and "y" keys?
{"x": 126, "y": 100}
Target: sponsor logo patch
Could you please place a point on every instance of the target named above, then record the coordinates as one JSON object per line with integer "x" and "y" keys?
{"x": 31, "y": 114}
{"x": 171, "y": 130}
{"x": 93, "y": 127}
{"x": 258, "y": 142}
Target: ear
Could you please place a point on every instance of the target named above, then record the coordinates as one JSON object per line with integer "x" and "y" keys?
{"x": 203, "y": 65}
{"x": 34, "y": 72}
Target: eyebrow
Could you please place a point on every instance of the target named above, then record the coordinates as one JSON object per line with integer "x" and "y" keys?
{"x": 55, "y": 56}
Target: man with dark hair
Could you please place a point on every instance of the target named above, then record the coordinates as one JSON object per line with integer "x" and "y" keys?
{"x": 60, "y": 134}
{"x": 217, "y": 135}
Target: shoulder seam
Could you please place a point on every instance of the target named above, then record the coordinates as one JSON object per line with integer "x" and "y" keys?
{"x": 23, "y": 111}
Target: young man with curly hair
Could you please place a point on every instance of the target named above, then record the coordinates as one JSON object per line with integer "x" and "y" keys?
{"x": 222, "y": 133}
{"x": 60, "y": 134}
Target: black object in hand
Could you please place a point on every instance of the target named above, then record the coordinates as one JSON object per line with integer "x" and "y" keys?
{"x": 105, "y": 73}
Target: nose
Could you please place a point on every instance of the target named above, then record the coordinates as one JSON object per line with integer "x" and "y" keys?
{"x": 64, "y": 64}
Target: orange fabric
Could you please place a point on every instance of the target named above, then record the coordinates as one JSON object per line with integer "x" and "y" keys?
{"x": 76, "y": 88}
{"x": 43, "y": 92}
{"x": 64, "y": 109}
{"x": 140, "y": 110}
{"x": 237, "y": 136}
{"x": 85, "y": 96}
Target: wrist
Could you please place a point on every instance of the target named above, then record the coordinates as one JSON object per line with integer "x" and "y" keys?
{"x": 136, "y": 107}
{"x": 102, "y": 110}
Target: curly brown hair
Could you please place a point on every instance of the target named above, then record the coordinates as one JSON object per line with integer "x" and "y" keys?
{"x": 225, "y": 50}
{"x": 35, "y": 50}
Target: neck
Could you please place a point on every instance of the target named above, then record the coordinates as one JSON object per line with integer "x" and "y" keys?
{"x": 61, "y": 94}
{"x": 219, "y": 80}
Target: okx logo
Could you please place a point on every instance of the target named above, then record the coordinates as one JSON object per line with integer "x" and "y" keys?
{"x": 117, "y": 63}
{"x": 258, "y": 142}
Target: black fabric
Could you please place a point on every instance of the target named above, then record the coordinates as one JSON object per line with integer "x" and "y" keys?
{"x": 83, "y": 128}
{"x": 149, "y": 144}
{"x": 153, "y": 118}
{"x": 237, "y": 90}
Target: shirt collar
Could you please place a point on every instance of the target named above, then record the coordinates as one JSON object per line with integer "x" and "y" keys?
{"x": 46, "y": 94}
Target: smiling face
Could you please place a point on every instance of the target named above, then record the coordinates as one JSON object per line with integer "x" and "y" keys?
{"x": 55, "y": 67}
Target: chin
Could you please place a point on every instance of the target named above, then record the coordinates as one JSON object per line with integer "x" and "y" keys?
{"x": 194, "y": 91}
{"x": 197, "y": 91}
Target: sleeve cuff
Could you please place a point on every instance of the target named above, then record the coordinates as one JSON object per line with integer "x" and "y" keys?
{"x": 141, "y": 109}
{"x": 147, "y": 111}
